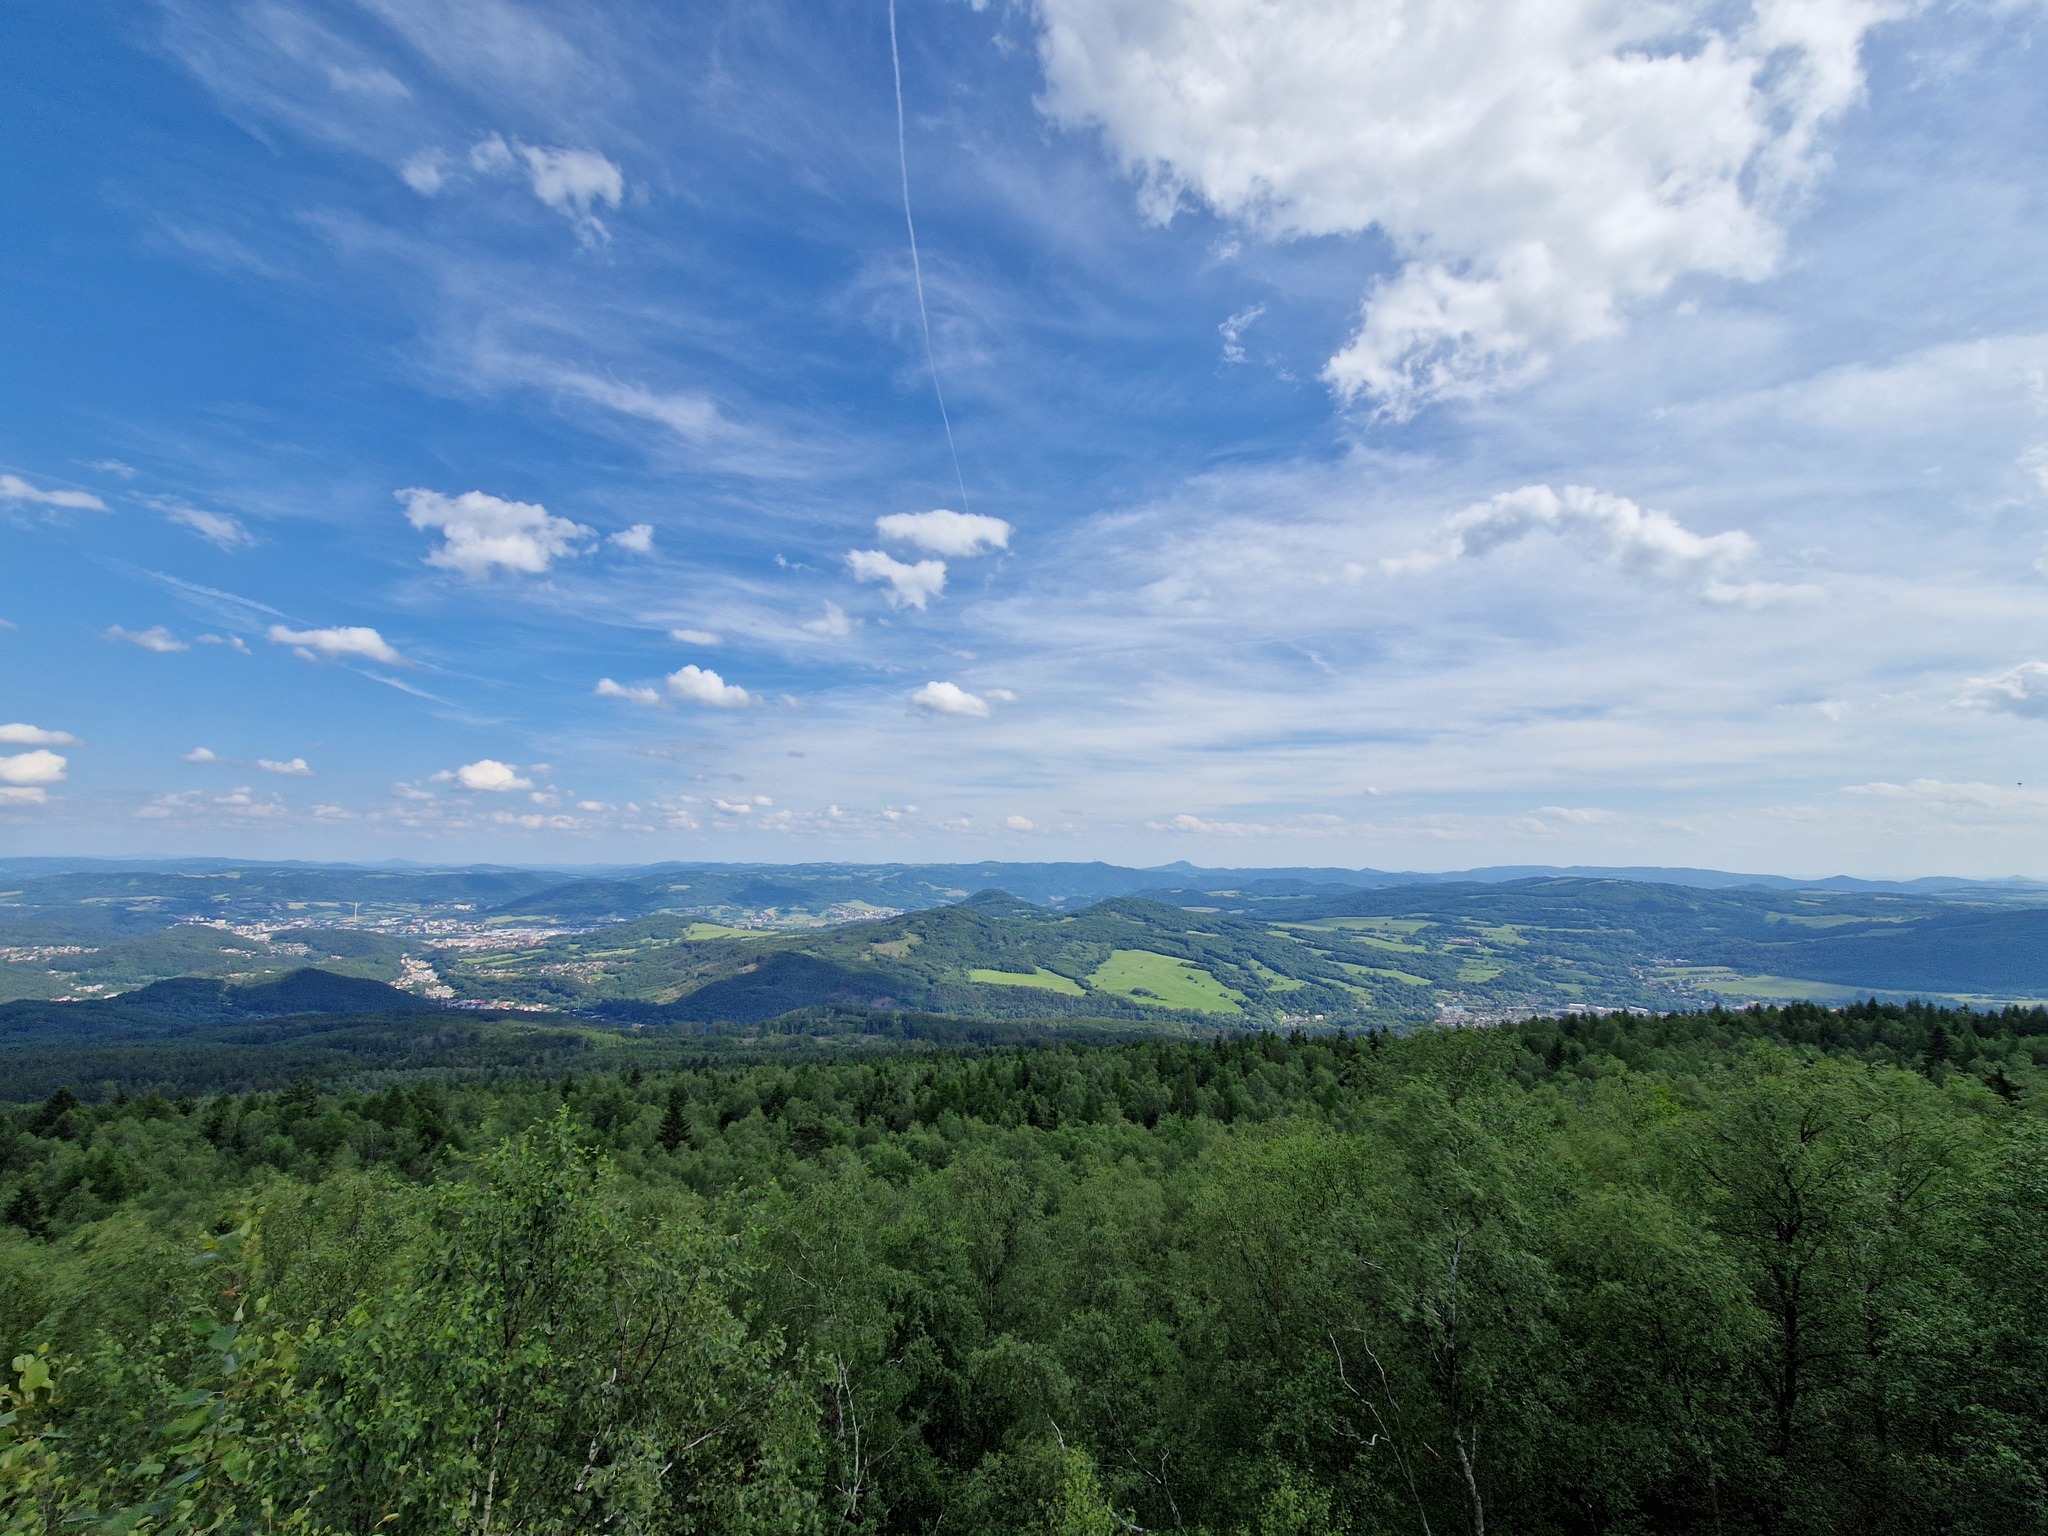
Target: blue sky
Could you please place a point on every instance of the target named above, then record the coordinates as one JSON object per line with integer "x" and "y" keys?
{"x": 1415, "y": 434}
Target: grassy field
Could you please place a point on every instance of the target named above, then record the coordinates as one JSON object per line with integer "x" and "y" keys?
{"x": 1407, "y": 978}
{"x": 1146, "y": 977}
{"x": 1041, "y": 979}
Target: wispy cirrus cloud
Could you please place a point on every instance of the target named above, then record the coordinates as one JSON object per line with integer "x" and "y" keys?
{"x": 14, "y": 488}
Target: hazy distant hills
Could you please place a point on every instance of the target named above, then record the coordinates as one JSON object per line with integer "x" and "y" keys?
{"x": 698, "y": 945}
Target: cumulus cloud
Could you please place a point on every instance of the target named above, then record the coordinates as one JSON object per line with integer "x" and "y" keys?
{"x": 335, "y": 644}
{"x": 14, "y": 488}
{"x": 1612, "y": 528}
{"x": 202, "y": 755}
{"x": 1537, "y": 165}
{"x": 20, "y": 735}
{"x": 486, "y": 774}
{"x": 696, "y": 636}
{"x": 155, "y": 638}
{"x": 216, "y": 528}
{"x": 2020, "y": 690}
{"x": 833, "y": 621}
{"x": 33, "y": 769}
{"x": 960, "y": 534}
{"x": 910, "y": 586}
{"x": 700, "y": 686}
{"x": 291, "y": 768}
{"x": 480, "y": 531}
{"x": 573, "y": 182}
{"x": 1020, "y": 824}
{"x": 637, "y": 540}
{"x": 607, "y": 689}
{"x": 244, "y": 802}
{"x": 948, "y": 699}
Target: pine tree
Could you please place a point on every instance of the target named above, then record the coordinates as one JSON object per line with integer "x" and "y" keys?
{"x": 675, "y": 1127}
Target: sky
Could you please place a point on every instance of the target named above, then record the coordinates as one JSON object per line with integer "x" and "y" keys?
{"x": 1416, "y": 434}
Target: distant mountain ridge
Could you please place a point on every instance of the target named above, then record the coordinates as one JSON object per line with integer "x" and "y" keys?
{"x": 1070, "y": 879}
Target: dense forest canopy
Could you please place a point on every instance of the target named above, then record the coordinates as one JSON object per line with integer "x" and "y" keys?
{"x": 1764, "y": 1271}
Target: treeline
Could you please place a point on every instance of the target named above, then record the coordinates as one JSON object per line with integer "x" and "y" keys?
{"x": 1771, "y": 1271}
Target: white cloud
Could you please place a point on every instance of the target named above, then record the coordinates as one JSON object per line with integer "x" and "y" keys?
{"x": 1201, "y": 825}
{"x": 345, "y": 640}
{"x": 33, "y": 768}
{"x": 948, "y": 699}
{"x": 693, "y": 417}
{"x": 1232, "y": 331}
{"x": 1613, "y": 528}
{"x": 833, "y": 621}
{"x": 941, "y": 532}
{"x": 700, "y": 686}
{"x": 638, "y": 539}
{"x": 155, "y": 638}
{"x": 1020, "y": 824}
{"x": 910, "y": 586}
{"x": 113, "y": 467}
{"x": 425, "y": 172}
{"x": 1538, "y": 165}
{"x": 573, "y": 182}
{"x": 486, "y": 774}
{"x": 293, "y": 768}
{"x": 202, "y": 755}
{"x": 607, "y": 689}
{"x": 2020, "y": 690}
{"x": 696, "y": 636}
{"x": 491, "y": 156}
{"x": 30, "y": 795}
{"x": 480, "y": 531}
{"x": 20, "y": 735}
{"x": 14, "y": 488}
{"x": 1762, "y": 594}
{"x": 243, "y": 802}
{"x": 215, "y": 527}
{"x": 232, "y": 642}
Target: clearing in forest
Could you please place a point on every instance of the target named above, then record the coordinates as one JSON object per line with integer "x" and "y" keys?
{"x": 1146, "y": 977}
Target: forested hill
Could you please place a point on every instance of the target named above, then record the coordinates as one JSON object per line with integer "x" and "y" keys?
{"x": 1748, "y": 1272}
{"x": 1268, "y": 954}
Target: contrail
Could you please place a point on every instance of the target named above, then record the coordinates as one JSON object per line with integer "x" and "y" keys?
{"x": 924, "y": 319}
